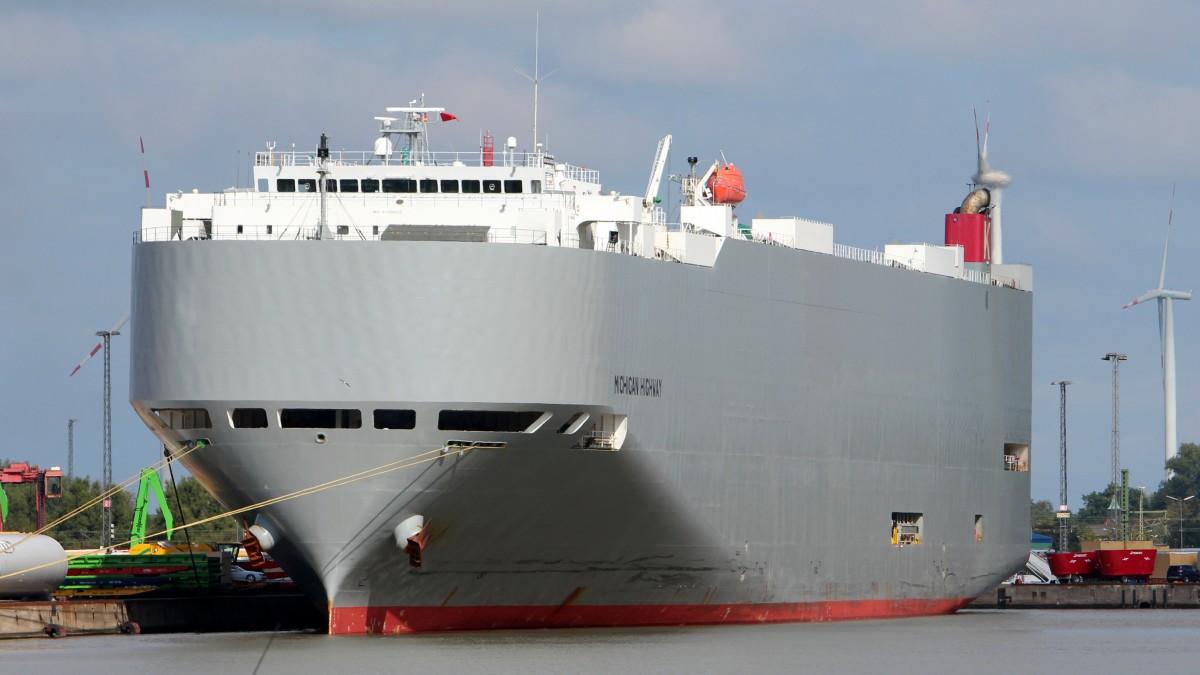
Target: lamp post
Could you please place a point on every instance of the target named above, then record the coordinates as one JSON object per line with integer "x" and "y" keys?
{"x": 1141, "y": 497}
{"x": 1116, "y": 360}
{"x": 1063, "y": 512}
{"x": 1181, "y": 500}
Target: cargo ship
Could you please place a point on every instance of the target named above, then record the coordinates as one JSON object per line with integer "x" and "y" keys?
{"x": 452, "y": 390}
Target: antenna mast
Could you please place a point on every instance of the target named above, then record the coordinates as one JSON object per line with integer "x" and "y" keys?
{"x": 536, "y": 79}
{"x": 322, "y": 171}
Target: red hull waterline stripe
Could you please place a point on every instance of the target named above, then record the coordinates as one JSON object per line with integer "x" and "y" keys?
{"x": 416, "y": 619}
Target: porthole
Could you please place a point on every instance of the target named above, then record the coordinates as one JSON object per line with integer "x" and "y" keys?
{"x": 320, "y": 438}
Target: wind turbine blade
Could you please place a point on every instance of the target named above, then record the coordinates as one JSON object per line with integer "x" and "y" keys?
{"x": 1148, "y": 295}
{"x": 87, "y": 358}
{"x": 122, "y": 322}
{"x": 987, "y": 128}
{"x": 115, "y": 328}
{"x": 978, "y": 147}
{"x": 1162, "y": 274}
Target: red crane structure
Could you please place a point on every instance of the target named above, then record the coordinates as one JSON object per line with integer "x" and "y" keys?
{"x": 48, "y": 485}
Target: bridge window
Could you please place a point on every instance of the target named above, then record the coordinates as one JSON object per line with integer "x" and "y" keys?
{"x": 449, "y": 186}
{"x": 307, "y": 184}
{"x": 319, "y": 418}
{"x": 343, "y": 229}
{"x": 264, "y": 185}
{"x": 248, "y": 418}
{"x": 285, "y": 185}
{"x": 348, "y": 184}
{"x": 512, "y": 186}
{"x": 491, "y": 186}
{"x": 331, "y": 185}
{"x": 429, "y": 185}
{"x": 395, "y": 419}
{"x": 399, "y": 185}
{"x": 370, "y": 185}
{"x": 471, "y": 186}
{"x": 535, "y": 186}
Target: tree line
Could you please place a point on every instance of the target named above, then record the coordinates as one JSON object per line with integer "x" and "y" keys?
{"x": 189, "y": 503}
{"x": 1161, "y": 512}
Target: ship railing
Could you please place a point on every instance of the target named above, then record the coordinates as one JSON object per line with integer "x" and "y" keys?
{"x": 505, "y": 235}
{"x": 440, "y": 158}
{"x": 336, "y": 200}
{"x": 513, "y": 235}
{"x": 773, "y": 239}
{"x": 859, "y": 254}
{"x": 596, "y": 440}
{"x": 147, "y": 234}
{"x": 977, "y": 276}
{"x": 668, "y": 254}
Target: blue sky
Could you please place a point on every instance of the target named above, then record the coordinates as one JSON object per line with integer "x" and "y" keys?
{"x": 855, "y": 113}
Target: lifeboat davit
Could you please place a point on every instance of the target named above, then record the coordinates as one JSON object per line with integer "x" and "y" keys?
{"x": 726, "y": 185}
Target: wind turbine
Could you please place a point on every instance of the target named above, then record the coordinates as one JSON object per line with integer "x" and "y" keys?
{"x": 1166, "y": 334}
{"x": 994, "y": 180}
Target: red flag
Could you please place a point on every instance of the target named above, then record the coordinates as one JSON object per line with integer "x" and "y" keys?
{"x": 446, "y": 117}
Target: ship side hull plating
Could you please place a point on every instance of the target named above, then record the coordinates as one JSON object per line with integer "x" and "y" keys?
{"x": 779, "y": 408}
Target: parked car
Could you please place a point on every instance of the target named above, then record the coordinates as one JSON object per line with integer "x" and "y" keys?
{"x": 242, "y": 575}
{"x": 1182, "y": 574}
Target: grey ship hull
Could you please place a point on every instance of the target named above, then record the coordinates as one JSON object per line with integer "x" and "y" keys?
{"x": 781, "y": 407}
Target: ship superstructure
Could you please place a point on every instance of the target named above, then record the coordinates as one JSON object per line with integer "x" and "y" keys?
{"x": 475, "y": 390}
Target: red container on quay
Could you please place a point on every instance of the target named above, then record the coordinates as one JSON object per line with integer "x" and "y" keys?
{"x": 1135, "y": 563}
{"x": 1064, "y": 565}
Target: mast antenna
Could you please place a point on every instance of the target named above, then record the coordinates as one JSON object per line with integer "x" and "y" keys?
{"x": 535, "y": 79}
{"x": 322, "y": 171}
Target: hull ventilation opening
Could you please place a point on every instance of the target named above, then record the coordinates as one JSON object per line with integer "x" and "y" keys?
{"x": 502, "y": 421}
{"x": 574, "y": 424}
{"x": 907, "y": 528}
{"x": 1016, "y": 457}
{"x": 606, "y": 433}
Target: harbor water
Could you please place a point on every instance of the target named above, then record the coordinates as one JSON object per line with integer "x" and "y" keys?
{"x": 976, "y": 641}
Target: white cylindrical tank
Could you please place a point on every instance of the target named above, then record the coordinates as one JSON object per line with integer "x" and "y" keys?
{"x": 33, "y": 569}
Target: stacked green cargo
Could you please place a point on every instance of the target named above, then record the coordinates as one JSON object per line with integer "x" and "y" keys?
{"x": 174, "y": 571}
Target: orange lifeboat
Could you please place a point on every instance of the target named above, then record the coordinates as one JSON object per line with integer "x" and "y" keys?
{"x": 727, "y": 185}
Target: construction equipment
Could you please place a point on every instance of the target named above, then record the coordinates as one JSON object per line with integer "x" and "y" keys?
{"x": 137, "y": 531}
{"x": 48, "y": 485}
